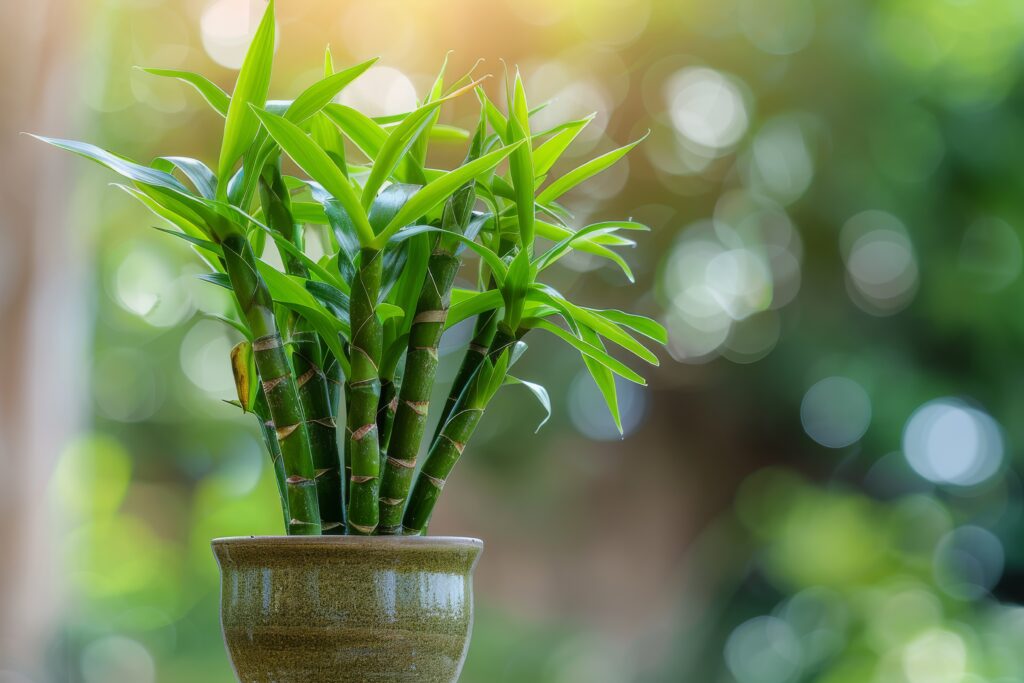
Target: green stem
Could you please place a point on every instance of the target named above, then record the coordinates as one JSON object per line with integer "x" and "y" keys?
{"x": 417, "y": 382}
{"x": 277, "y": 381}
{"x": 386, "y": 408}
{"x": 323, "y": 439}
{"x": 446, "y": 450}
{"x": 483, "y": 333}
{"x": 307, "y": 361}
{"x": 364, "y": 391}
{"x": 262, "y": 412}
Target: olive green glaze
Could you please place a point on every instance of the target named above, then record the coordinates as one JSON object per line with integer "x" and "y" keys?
{"x": 327, "y": 609}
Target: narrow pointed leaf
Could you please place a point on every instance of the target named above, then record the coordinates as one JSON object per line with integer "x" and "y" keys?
{"x": 521, "y": 166}
{"x": 645, "y": 326}
{"x": 314, "y": 161}
{"x": 547, "y": 154}
{"x": 492, "y": 260}
{"x": 591, "y": 351}
{"x": 198, "y": 173}
{"x": 603, "y": 378}
{"x": 588, "y": 170}
{"x": 476, "y": 304}
{"x": 197, "y": 241}
{"x": 583, "y": 317}
{"x": 241, "y": 124}
{"x": 439, "y": 190}
{"x": 317, "y": 96}
{"x": 129, "y": 169}
{"x": 217, "y": 98}
{"x": 597, "y": 229}
{"x": 539, "y": 392}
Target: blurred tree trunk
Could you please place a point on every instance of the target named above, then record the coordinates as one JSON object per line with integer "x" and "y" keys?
{"x": 41, "y": 315}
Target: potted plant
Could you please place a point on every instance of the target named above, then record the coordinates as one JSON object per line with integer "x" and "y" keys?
{"x": 355, "y": 590}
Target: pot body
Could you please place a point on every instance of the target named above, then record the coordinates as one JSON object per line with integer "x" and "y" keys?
{"x": 327, "y": 609}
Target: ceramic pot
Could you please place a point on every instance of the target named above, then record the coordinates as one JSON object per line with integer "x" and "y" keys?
{"x": 327, "y": 609}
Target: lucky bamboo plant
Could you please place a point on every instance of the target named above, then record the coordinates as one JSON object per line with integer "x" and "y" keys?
{"x": 356, "y": 332}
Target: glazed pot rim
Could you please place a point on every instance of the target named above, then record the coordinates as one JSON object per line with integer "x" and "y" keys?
{"x": 352, "y": 541}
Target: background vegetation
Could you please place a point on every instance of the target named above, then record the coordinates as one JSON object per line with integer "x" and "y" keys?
{"x": 823, "y": 474}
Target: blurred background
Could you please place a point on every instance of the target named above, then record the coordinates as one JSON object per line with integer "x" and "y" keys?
{"x": 821, "y": 481}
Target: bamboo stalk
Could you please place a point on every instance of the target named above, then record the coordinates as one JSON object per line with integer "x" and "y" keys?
{"x": 262, "y": 412}
{"x": 446, "y": 450}
{"x": 277, "y": 382}
{"x": 307, "y": 362}
{"x": 483, "y": 333}
{"x": 364, "y": 394}
{"x": 410, "y": 420}
{"x": 386, "y": 408}
{"x": 323, "y": 440}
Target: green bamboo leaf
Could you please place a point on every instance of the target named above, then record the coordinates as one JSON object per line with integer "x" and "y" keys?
{"x": 468, "y": 306}
{"x": 217, "y": 98}
{"x": 441, "y": 132}
{"x": 314, "y": 161}
{"x": 343, "y": 229}
{"x": 539, "y": 392}
{"x": 309, "y": 212}
{"x": 335, "y": 299}
{"x": 317, "y": 96}
{"x": 645, "y": 326}
{"x": 521, "y": 275}
{"x": 326, "y": 135}
{"x": 291, "y": 293}
{"x": 492, "y": 260}
{"x": 364, "y": 132}
{"x": 439, "y": 190}
{"x": 418, "y": 151}
{"x": 400, "y": 140}
{"x": 588, "y": 170}
{"x": 590, "y": 246}
{"x": 328, "y": 62}
{"x": 494, "y": 116}
{"x": 582, "y": 317}
{"x": 547, "y": 154}
{"x": 124, "y": 167}
{"x": 406, "y": 291}
{"x": 590, "y": 351}
{"x": 603, "y": 378}
{"x": 307, "y": 104}
{"x": 556, "y": 232}
{"x": 521, "y": 165}
{"x": 386, "y": 311}
{"x": 245, "y": 331}
{"x": 561, "y": 248}
{"x": 240, "y": 124}
{"x": 289, "y": 247}
{"x": 196, "y": 234}
{"x": 219, "y": 279}
{"x": 198, "y": 173}
{"x": 197, "y": 241}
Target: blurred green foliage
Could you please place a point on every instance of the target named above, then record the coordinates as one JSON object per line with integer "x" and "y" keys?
{"x": 835, "y": 191}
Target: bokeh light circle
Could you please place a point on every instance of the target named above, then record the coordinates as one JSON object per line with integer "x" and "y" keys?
{"x": 836, "y": 412}
{"x": 764, "y": 650}
{"x": 969, "y": 562}
{"x": 947, "y": 441}
{"x": 381, "y": 91}
{"x": 706, "y": 107}
{"x": 116, "y": 659}
{"x": 935, "y": 656}
{"x": 227, "y": 26}
{"x": 881, "y": 265}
